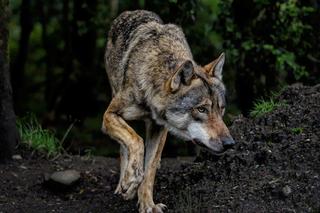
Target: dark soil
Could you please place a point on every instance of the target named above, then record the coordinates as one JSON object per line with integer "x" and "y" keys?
{"x": 275, "y": 167}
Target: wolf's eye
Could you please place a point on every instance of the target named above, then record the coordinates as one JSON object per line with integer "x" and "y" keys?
{"x": 202, "y": 109}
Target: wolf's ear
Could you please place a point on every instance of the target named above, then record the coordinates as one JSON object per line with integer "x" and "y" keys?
{"x": 214, "y": 69}
{"x": 183, "y": 75}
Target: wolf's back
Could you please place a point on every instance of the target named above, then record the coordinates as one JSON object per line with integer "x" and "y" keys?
{"x": 127, "y": 22}
{"x": 119, "y": 38}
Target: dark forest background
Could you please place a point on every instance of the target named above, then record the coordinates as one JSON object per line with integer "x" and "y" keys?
{"x": 57, "y": 48}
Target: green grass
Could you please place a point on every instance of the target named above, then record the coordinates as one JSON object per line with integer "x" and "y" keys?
{"x": 261, "y": 107}
{"x": 37, "y": 138}
{"x": 297, "y": 130}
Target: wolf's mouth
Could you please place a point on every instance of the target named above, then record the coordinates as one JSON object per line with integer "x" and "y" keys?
{"x": 217, "y": 153}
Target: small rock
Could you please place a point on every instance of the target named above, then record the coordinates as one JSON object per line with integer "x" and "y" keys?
{"x": 286, "y": 190}
{"x": 61, "y": 181}
{"x": 23, "y": 167}
{"x": 67, "y": 177}
{"x": 16, "y": 157}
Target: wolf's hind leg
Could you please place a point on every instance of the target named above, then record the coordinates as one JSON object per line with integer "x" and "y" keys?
{"x": 132, "y": 168}
{"x": 155, "y": 140}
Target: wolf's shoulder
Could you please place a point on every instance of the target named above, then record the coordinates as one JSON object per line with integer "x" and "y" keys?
{"x": 129, "y": 21}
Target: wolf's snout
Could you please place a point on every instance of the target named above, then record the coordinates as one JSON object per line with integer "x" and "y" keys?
{"x": 227, "y": 142}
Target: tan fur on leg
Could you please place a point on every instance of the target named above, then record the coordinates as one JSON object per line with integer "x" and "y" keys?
{"x": 155, "y": 140}
{"x": 119, "y": 130}
{"x": 123, "y": 166}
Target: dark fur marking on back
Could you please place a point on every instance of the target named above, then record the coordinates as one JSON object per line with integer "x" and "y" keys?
{"x": 129, "y": 22}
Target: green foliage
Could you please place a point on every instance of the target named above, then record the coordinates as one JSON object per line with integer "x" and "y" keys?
{"x": 286, "y": 60}
{"x": 269, "y": 43}
{"x": 279, "y": 42}
{"x": 37, "y": 138}
{"x": 297, "y": 130}
{"x": 261, "y": 107}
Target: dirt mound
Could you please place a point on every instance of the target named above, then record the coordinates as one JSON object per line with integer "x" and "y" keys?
{"x": 275, "y": 167}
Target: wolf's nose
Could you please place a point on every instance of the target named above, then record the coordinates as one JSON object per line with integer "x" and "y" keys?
{"x": 227, "y": 142}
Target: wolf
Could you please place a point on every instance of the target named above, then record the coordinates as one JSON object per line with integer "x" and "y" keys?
{"x": 154, "y": 78}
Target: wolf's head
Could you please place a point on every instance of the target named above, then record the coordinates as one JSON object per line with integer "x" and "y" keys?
{"x": 197, "y": 105}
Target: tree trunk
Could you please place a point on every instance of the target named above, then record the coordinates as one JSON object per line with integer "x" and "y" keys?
{"x": 114, "y": 7}
{"x": 81, "y": 41}
{"x": 8, "y": 131}
{"x": 19, "y": 62}
{"x": 43, "y": 16}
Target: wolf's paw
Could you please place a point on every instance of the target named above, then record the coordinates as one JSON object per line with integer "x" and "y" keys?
{"x": 118, "y": 189}
{"x": 129, "y": 184}
{"x": 156, "y": 208}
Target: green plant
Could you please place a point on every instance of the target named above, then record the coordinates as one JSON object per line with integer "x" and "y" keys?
{"x": 88, "y": 153}
{"x": 37, "y": 138}
{"x": 276, "y": 93}
{"x": 261, "y": 107}
{"x": 297, "y": 130}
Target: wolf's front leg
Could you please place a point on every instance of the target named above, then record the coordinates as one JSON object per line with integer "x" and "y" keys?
{"x": 155, "y": 140}
{"x": 132, "y": 149}
{"x": 123, "y": 166}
